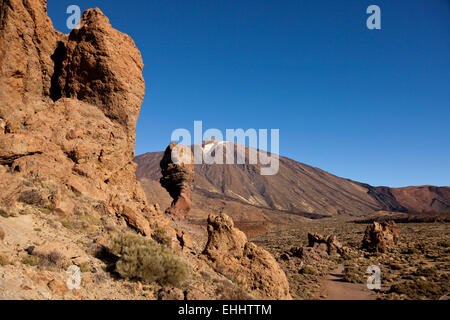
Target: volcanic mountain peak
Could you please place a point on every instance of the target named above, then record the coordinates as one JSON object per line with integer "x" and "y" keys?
{"x": 296, "y": 189}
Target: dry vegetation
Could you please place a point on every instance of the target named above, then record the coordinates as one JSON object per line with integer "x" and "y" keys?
{"x": 419, "y": 268}
{"x": 148, "y": 261}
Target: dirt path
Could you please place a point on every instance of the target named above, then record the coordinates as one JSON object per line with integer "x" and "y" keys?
{"x": 334, "y": 288}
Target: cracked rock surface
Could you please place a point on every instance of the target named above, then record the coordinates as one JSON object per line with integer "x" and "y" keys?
{"x": 68, "y": 113}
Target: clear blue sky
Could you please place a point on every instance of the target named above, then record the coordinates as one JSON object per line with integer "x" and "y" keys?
{"x": 369, "y": 105}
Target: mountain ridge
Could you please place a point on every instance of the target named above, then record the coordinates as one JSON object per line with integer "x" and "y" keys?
{"x": 299, "y": 189}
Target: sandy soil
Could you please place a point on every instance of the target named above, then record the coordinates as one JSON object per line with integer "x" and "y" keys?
{"x": 334, "y": 288}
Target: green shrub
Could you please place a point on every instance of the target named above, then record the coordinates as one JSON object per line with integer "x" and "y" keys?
{"x": 353, "y": 274}
{"x": 308, "y": 270}
{"x": 84, "y": 222}
{"x": 9, "y": 212}
{"x": 416, "y": 289}
{"x": 396, "y": 266}
{"x": 161, "y": 236}
{"x": 444, "y": 244}
{"x": 146, "y": 260}
{"x": 411, "y": 251}
{"x": 52, "y": 259}
{"x": 49, "y": 260}
{"x": 31, "y": 261}
{"x": 426, "y": 272}
{"x": 85, "y": 267}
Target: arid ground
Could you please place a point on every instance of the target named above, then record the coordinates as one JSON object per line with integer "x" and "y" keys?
{"x": 419, "y": 268}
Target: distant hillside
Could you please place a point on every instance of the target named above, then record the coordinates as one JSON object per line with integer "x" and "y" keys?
{"x": 297, "y": 189}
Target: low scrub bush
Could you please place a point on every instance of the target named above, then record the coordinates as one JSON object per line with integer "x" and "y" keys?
{"x": 31, "y": 261}
{"x": 148, "y": 261}
{"x": 308, "y": 270}
{"x": 161, "y": 236}
{"x": 418, "y": 288}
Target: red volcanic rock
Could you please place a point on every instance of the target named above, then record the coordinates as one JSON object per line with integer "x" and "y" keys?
{"x": 28, "y": 42}
{"x": 68, "y": 112}
{"x": 330, "y": 244}
{"x": 229, "y": 251}
{"x": 178, "y": 178}
{"x": 103, "y": 67}
{"x": 379, "y": 237}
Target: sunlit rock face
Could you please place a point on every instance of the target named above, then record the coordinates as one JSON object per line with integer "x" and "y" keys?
{"x": 68, "y": 111}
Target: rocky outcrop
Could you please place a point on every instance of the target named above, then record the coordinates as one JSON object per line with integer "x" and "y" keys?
{"x": 379, "y": 237}
{"x": 177, "y": 169}
{"x": 103, "y": 67}
{"x": 68, "y": 113}
{"x": 329, "y": 243}
{"x": 28, "y": 42}
{"x": 2, "y": 234}
{"x": 319, "y": 247}
{"x": 185, "y": 240}
{"x": 229, "y": 253}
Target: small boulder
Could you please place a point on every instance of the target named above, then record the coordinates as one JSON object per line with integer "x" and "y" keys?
{"x": 379, "y": 237}
{"x": 2, "y": 234}
{"x": 329, "y": 243}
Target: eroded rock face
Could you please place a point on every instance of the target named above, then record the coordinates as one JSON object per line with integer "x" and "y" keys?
{"x": 178, "y": 178}
{"x": 329, "y": 243}
{"x": 231, "y": 254}
{"x": 103, "y": 67}
{"x": 68, "y": 112}
{"x": 28, "y": 41}
{"x": 379, "y": 237}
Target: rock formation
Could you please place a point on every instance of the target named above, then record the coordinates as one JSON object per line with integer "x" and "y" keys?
{"x": 68, "y": 113}
{"x": 231, "y": 254}
{"x": 177, "y": 169}
{"x": 329, "y": 243}
{"x": 379, "y": 237}
{"x": 2, "y": 234}
{"x": 319, "y": 247}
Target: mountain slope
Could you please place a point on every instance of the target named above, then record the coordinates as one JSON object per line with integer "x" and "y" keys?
{"x": 297, "y": 188}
